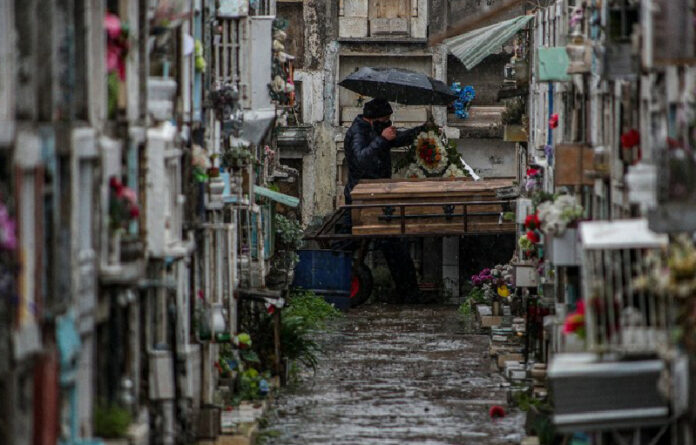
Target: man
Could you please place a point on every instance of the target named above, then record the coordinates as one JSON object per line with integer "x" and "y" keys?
{"x": 367, "y": 145}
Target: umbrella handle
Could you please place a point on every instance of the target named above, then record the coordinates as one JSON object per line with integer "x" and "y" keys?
{"x": 430, "y": 122}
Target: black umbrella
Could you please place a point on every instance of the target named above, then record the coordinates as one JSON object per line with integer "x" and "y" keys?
{"x": 399, "y": 85}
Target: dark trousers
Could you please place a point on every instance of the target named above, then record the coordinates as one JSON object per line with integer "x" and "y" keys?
{"x": 403, "y": 272}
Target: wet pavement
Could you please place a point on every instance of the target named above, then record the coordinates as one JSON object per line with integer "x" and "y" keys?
{"x": 397, "y": 375}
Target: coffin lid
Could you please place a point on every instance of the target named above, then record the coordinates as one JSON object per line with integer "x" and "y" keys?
{"x": 425, "y": 188}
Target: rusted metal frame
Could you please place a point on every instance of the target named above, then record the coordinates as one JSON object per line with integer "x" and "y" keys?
{"x": 402, "y": 217}
{"x": 466, "y": 219}
{"x": 331, "y": 222}
{"x": 322, "y": 235}
{"x": 348, "y": 236}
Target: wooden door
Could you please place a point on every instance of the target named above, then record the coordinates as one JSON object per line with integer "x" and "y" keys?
{"x": 389, "y": 9}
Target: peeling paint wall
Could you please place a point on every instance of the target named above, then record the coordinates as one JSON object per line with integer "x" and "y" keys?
{"x": 490, "y": 158}
{"x": 320, "y": 73}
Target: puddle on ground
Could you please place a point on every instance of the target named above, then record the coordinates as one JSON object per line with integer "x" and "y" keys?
{"x": 396, "y": 375}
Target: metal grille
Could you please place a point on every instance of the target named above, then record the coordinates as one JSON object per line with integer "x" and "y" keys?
{"x": 260, "y": 7}
{"x": 622, "y": 316}
{"x": 219, "y": 263}
{"x": 227, "y": 52}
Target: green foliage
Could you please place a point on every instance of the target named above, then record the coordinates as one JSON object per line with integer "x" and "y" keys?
{"x": 297, "y": 341}
{"x": 465, "y": 309}
{"x": 540, "y": 197}
{"x": 290, "y": 233}
{"x": 514, "y": 111}
{"x": 509, "y": 216}
{"x": 477, "y": 296}
{"x": 249, "y": 382}
{"x": 525, "y": 401}
{"x": 111, "y": 421}
{"x": 305, "y": 314}
{"x": 236, "y": 157}
{"x": 112, "y": 88}
{"x": 314, "y": 310}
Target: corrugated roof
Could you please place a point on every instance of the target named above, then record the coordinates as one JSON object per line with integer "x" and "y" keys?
{"x": 474, "y": 46}
{"x": 288, "y": 200}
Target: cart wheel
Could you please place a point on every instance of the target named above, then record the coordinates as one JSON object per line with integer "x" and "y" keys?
{"x": 361, "y": 284}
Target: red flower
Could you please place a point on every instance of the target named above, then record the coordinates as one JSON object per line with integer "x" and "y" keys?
{"x": 116, "y": 185}
{"x": 553, "y": 121}
{"x": 575, "y": 322}
{"x": 496, "y": 411}
{"x": 532, "y": 172}
{"x": 532, "y": 222}
{"x": 630, "y": 139}
{"x": 134, "y": 211}
{"x": 533, "y": 236}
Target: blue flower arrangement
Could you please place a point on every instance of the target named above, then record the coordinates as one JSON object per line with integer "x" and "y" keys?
{"x": 465, "y": 96}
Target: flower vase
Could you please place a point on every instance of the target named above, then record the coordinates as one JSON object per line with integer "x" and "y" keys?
{"x": 496, "y": 307}
{"x": 115, "y": 247}
{"x": 216, "y": 186}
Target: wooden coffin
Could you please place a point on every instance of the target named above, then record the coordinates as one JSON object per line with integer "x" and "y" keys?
{"x": 430, "y": 207}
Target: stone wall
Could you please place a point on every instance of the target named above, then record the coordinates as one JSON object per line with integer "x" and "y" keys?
{"x": 487, "y": 77}
{"x": 490, "y": 158}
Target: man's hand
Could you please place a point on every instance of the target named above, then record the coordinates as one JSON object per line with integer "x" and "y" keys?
{"x": 389, "y": 133}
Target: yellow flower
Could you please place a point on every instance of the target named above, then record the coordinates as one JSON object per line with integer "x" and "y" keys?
{"x": 503, "y": 291}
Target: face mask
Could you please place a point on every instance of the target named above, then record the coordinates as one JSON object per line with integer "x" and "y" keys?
{"x": 379, "y": 126}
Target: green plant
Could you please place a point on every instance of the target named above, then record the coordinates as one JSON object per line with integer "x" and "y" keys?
{"x": 249, "y": 385}
{"x": 290, "y": 233}
{"x": 514, "y": 112}
{"x": 465, "y": 309}
{"x": 314, "y": 310}
{"x": 298, "y": 343}
{"x": 305, "y": 314}
{"x": 477, "y": 295}
{"x": 111, "y": 420}
{"x": 236, "y": 157}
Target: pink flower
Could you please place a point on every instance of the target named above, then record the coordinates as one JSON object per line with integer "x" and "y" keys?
{"x": 128, "y": 194}
{"x": 112, "y": 25}
{"x": 8, "y": 235}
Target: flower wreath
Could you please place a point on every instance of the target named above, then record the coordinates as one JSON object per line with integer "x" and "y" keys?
{"x": 431, "y": 155}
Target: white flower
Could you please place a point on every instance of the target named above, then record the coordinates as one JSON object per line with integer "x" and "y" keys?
{"x": 200, "y": 157}
{"x": 453, "y": 172}
{"x": 411, "y": 172}
{"x": 550, "y": 217}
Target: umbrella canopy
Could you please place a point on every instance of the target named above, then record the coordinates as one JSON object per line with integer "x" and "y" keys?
{"x": 399, "y": 85}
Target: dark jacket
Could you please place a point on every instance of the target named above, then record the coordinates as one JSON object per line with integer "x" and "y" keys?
{"x": 368, "y": 153}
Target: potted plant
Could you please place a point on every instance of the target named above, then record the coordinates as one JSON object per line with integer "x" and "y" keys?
{"x": 123, "y": 209}
{"x": 111, "y": 422}
{"x": 289, "y": 235}
{"x": 558, "y": 219}
{"x": 512, "y": 117}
